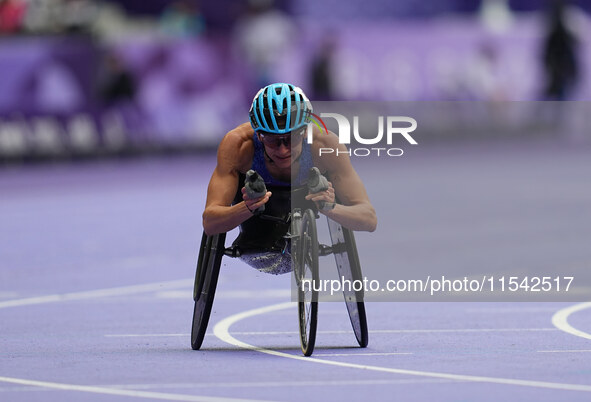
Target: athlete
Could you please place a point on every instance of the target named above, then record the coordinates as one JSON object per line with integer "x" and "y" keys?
{"x": 274, "y": 144}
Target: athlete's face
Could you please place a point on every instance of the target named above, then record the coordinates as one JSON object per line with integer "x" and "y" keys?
{"x": 280, "y": 148}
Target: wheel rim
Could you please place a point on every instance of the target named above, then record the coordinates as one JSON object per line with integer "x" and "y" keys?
{"x": 306, "y": 276}
{"x": 205, "y": 285}
{"x": 305, "y": 289}
{"x": 349, "y": 268}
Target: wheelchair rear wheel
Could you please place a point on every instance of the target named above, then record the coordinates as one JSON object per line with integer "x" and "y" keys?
{"x": 211, "y": 252}
{"x": 307, "y": 277}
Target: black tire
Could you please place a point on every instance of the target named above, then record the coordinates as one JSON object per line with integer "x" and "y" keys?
{"x": 209, "y": 261}
{"x": 306, "y": 270}
{"x": 349, "y": 268}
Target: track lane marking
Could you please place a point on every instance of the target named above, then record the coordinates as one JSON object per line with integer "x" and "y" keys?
{"x": 91, "y": 294}
{"x": 120, "y": 392}
{"x": 363, "y": 354}
{"x": 378, "y": 331}
{"x": 506, "y": 310}
{"x": 560, "y": 320}
{"x": 165, "y": 290}
{"x": 565, "y": 351}
{"x": 227, "y": 294}
{"x": 222, "y": 331}
{"x": 265, "y": 384}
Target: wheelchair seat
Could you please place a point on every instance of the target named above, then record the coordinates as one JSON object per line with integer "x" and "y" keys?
{"x": 267, "y": 232}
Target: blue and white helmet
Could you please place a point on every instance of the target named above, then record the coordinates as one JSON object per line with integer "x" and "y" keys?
{"x": 279, "y": 109}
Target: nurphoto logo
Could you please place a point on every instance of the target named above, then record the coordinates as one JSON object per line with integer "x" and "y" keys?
{"x": 390, "y": 125}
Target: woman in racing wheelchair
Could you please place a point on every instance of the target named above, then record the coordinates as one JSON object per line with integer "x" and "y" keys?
{"x": 273, "y": 145}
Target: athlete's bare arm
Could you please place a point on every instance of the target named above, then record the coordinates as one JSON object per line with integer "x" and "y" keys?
{"x": 235, "y": 155}
{"x": 354, "y": 210}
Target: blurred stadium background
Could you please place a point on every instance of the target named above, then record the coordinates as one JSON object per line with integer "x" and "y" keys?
{"x": 110, "y": 114}
{"x": 87, "y": 78}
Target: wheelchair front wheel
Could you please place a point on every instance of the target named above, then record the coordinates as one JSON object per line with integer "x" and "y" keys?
{"x": 206, "y": 278}
{"x": 307, "y": 277}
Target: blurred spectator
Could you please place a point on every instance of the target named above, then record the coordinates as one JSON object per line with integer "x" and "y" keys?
{"x": 112, "y": 23}
{"x": 60, "y": 16}
{"x": 182, "y": 19}
{"x": 43, "y": 16}
{"x": 496, "y": 15}
{"x": 484, "y": 78}
{"x": 559, "y": 56}
{"x": 321, "y": 70}
{"x": 12, "y": 13}
{"x": 118, "y": 83}
{"x": 78, "y": 16}
{"x": 263, "y": 36}
{"x": 118, "y": 90}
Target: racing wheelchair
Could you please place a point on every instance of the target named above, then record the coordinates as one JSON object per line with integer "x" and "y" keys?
{"x": 296, "y": 228}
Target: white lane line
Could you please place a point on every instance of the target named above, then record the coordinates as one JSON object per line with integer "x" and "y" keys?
{"x": 505, "y": 310}
{"x": 160, "y": 287}
{"x": 228, "y": 294}
{"x": 560, "y": 320}
{"x": 222, "y": 331}
{"x": 413, "y": 331}
{"x": 113, "y": 391}
{"x": 362, "y": 354}
{"x": 266, "y": 384}
{"x": 565, "y": 351}
{"x": 90, "y": 294}
{"x": 145, "y": 335}
{"x": 372, "y": 332}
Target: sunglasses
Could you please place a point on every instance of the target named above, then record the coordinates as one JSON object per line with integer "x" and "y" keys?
{"x": 274, "y": 141}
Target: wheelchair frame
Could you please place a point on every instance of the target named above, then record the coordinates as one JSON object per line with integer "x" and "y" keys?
{"x": 305, "y": 256}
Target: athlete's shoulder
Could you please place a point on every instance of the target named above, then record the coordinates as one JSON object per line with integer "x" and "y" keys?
{"x": 240, "y": 134}
{"x": 238, "y": 139}
{"x": 237, "y": 147}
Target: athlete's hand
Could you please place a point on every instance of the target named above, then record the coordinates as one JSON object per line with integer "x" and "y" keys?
{"x": 323, "y": 199}
{"x": 254, "y": 203}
